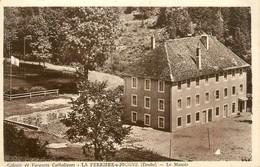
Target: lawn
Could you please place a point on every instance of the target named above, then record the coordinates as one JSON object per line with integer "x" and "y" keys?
{"x": 21, "y": 107}
{"x": 232, "y": 136}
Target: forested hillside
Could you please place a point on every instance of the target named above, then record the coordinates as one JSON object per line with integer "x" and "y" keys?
{"x": 66, "y": 35}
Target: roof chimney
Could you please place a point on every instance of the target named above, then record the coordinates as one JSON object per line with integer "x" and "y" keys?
{"x": 198, "y": 57}
{"x": 153, "y": 42}
{"x": 205, "y": 41}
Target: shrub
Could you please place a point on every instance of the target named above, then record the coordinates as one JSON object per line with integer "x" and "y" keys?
{"x": 17, "y": 90}
{"x": 17, "y": 144}
{"x": 37, "y": 88}
{"x": 68, "y": 87}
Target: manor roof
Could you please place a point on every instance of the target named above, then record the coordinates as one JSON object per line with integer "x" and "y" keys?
{"x": 175, "y": 60}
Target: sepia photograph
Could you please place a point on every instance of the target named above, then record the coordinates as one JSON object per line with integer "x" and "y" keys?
{"x": 127, "y": 84}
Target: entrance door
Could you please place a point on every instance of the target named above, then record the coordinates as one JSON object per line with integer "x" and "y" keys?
{"x": 240, "y": 106}
{"x": 225, "y": 114}
{"x": 204, "y": 117}
{"x": 209, "y": 115}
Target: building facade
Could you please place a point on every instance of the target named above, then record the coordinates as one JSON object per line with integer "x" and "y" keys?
{"x": 185, "y": 82}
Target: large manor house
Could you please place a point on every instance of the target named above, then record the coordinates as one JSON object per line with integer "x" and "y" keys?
{"x": 185, "y": 82}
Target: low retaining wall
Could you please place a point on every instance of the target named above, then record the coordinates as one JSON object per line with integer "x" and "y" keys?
{"x": 46, "y": 120}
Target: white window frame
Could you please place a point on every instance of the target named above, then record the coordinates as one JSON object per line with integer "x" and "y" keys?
{"x": 224, "y": 92}
{"x": 132, "y": 116}
{"x": 159, "y": 86}
{"x": 149, "y": 119}
{"x": 225, "y": 79}
{"x": 187, "y": 102}
{"x": 212, "y": 115}
{"x": 146, "y": 85}
{"x": 241, "y": 72}
{"x": 196, "y": 99}
{"x": 207, "y": 83}
{"x": 216, "y": 111}
{"x": 187, "y": 83}
{"x": 187, "y": 119}
{"x": 159, "y": 105}
{"x": 233, "y": 76}
{"x": 178, "y": 86}
{"x": 177, "y": 122}
{"x": 232, "y": 90}
{"x": 178, "y": 104}
{"x": 218, "y": 94}
{"x": 132, "y": 100}
{"x": 161, "y": 127}
{"x": 132, "y": 83}
{"x": 232, "y": 108}
{"x": 241, "y": 92}
{"x": 145, "y": 102}
{"x": 217, "y": 76}
{"x": 196, "y": 82}
{"x": 196, "y": 116}
{"x": 206, "y": 96}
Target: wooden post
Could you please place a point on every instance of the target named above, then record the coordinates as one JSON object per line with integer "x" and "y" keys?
{"x": 170, "y": 149}
{"x": 208, "y": 137}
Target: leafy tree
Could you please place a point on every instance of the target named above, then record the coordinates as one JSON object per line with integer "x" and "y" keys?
{"x": 54, "y": 18}
{"x": 208, "y": 20}
{"x": 239, "y": 27}
{"x": 176, "y": 20}
{"x": 40, "y": 43}
{"x": 11, "y": 26}
{"x": 96, "y": 119}
{"x": 146, "y": 12}
{"x": 162, "y": 18}
{"x": 90, "y": 34}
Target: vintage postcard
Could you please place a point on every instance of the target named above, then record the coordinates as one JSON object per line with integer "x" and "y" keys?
{"x": 130, "y": 83}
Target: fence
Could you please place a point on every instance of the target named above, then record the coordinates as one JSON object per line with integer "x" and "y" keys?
{"x": 31, "y": 94}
